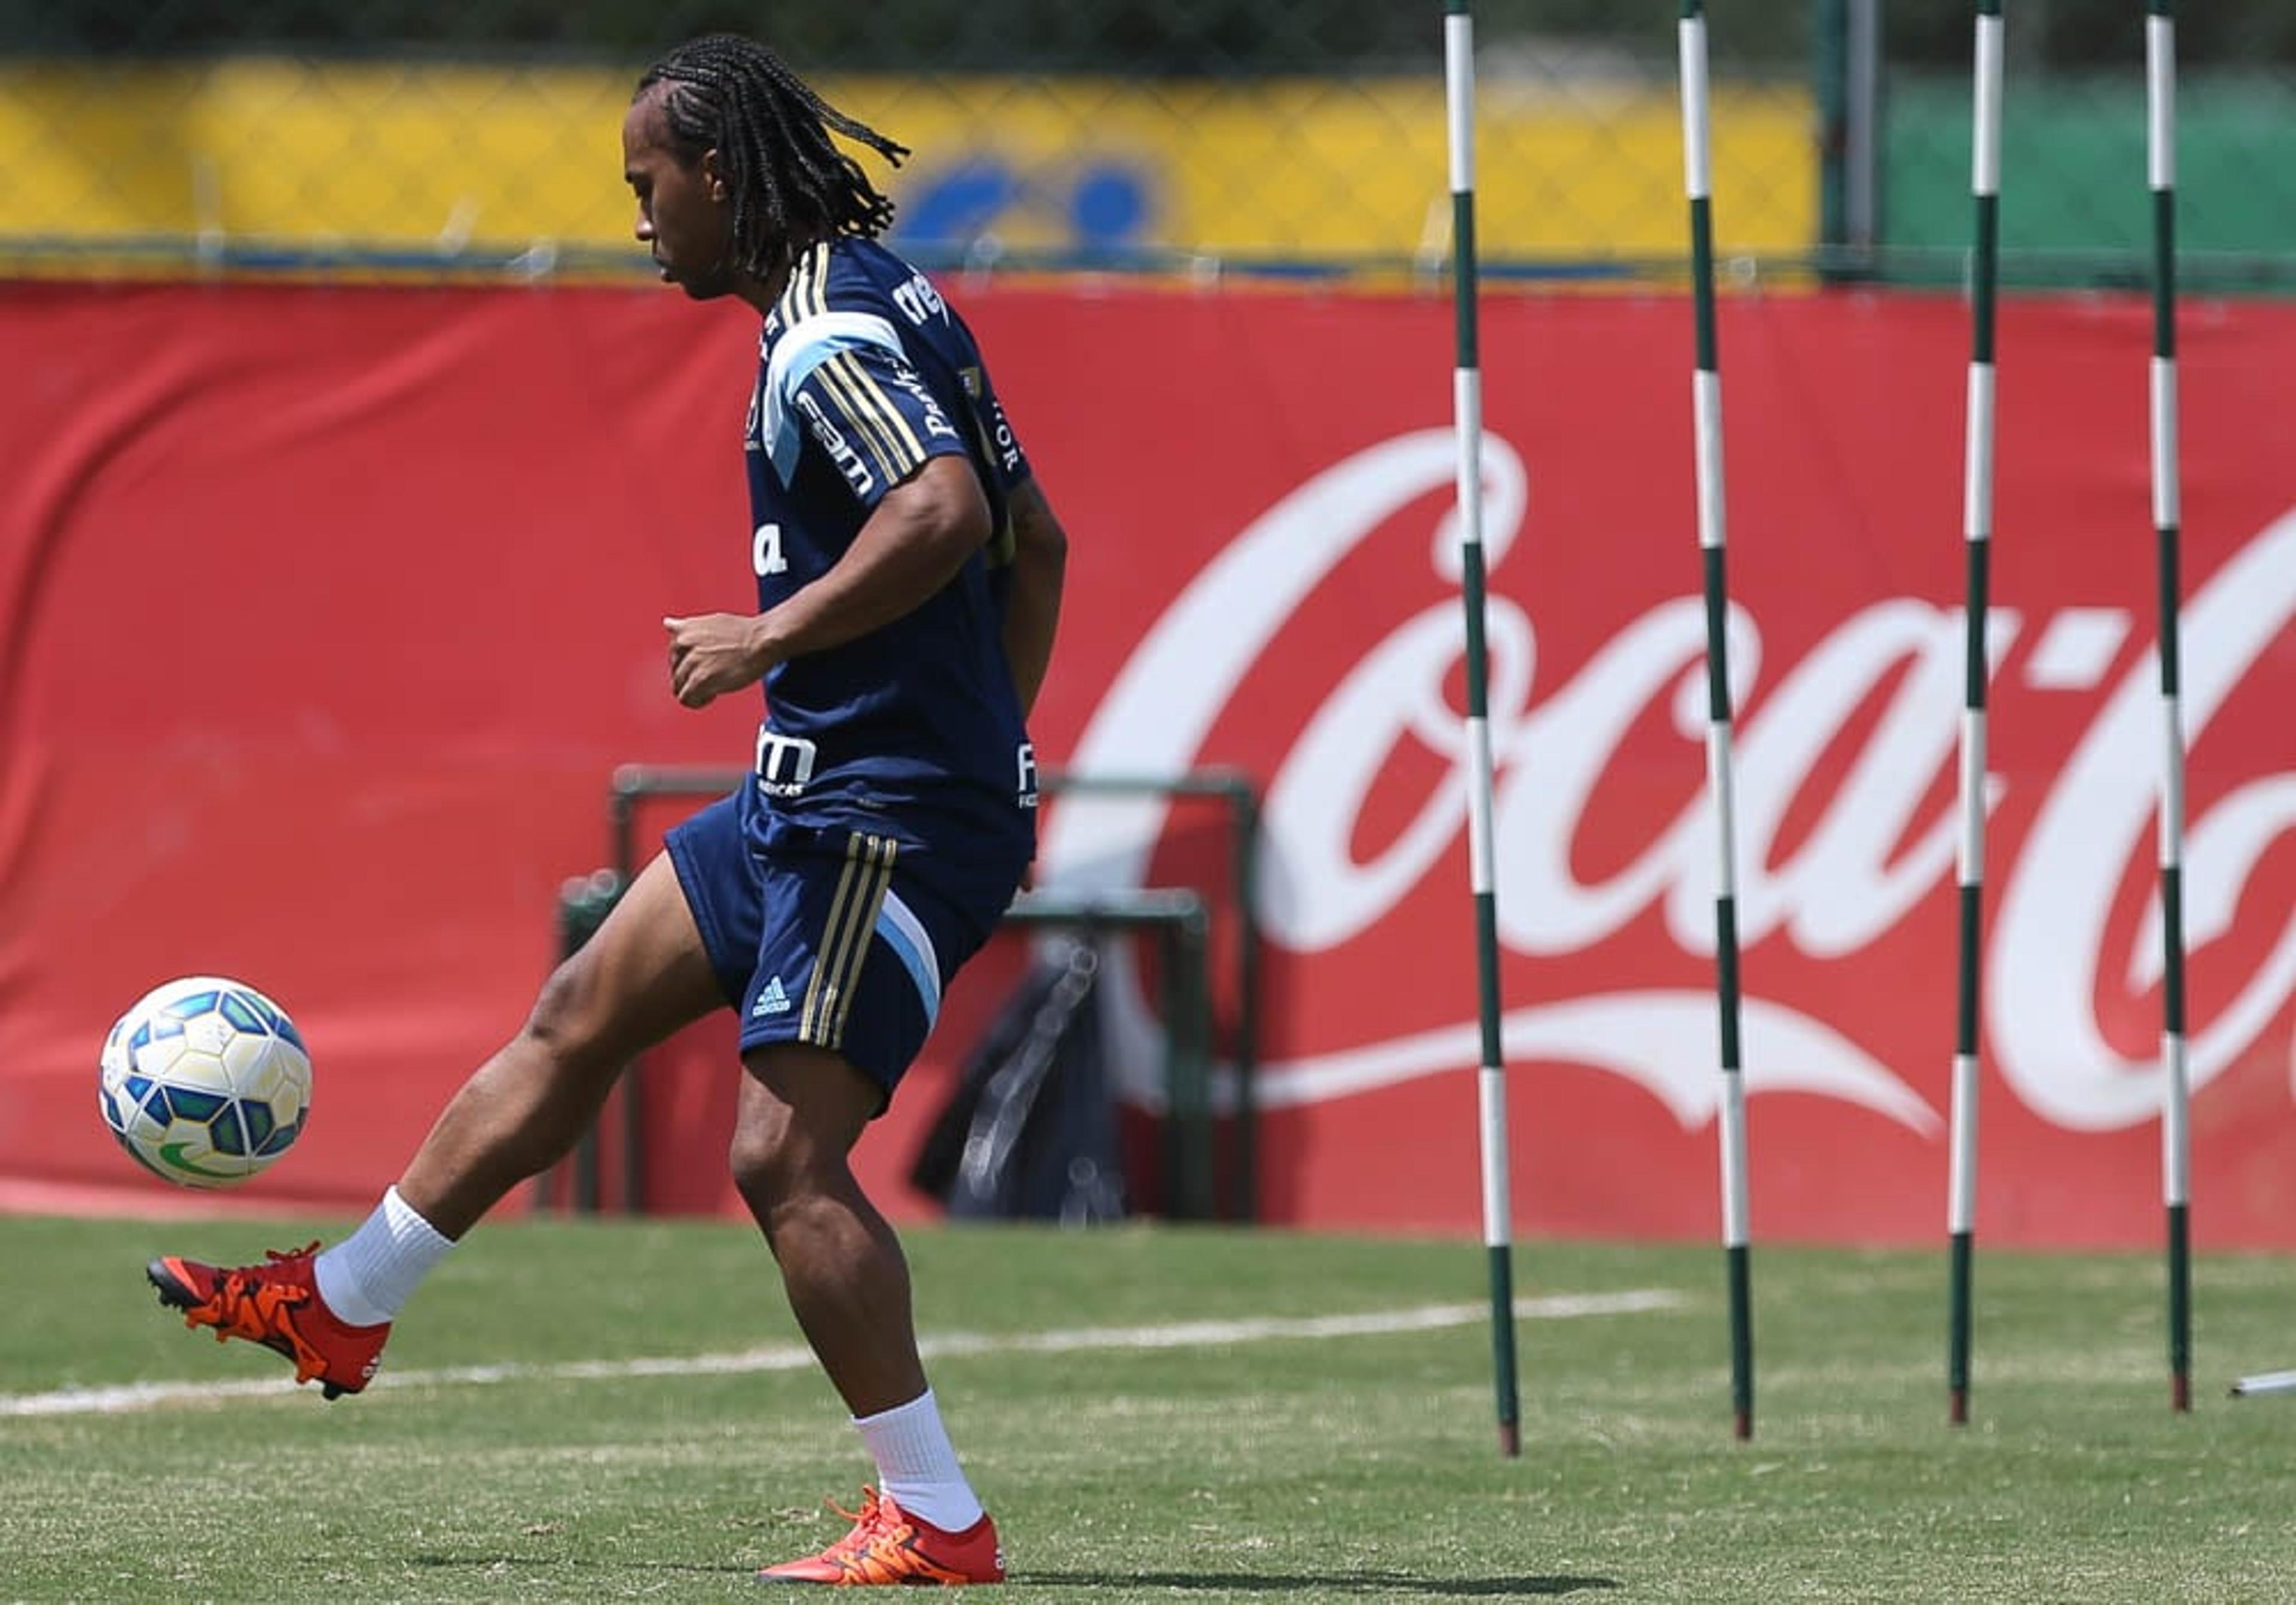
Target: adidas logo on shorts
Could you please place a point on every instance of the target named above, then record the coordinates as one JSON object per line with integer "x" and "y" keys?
{"x": 773, "y": 1000}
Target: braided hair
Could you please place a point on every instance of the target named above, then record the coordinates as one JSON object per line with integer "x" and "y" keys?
{"x": 791, "y": 186}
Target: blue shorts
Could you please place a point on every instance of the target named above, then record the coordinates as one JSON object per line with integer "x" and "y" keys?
{"x": 838, "y": 935}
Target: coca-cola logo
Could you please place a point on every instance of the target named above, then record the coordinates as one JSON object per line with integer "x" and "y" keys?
{"x": 1885, "y": 841}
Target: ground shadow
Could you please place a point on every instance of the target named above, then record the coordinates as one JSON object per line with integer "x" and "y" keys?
{"x": 1381, "y": 1583}
{"x": 1368, "y": 1584}
{"x": 501, "y": 1562}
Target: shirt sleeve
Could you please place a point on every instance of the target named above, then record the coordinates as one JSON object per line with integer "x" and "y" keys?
{"x": 1000, "y": 446}
{"x": 844, "y": 379}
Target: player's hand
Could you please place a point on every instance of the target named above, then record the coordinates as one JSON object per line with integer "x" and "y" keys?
{"x": 711, "y": 654}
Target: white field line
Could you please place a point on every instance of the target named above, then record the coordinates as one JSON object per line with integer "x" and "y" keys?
{"x": 791, "y": 1356}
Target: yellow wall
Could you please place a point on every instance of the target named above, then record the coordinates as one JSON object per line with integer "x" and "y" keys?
{"x": 385, "y": 154}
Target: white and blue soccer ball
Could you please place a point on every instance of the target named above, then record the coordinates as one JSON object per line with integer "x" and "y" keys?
{"x": 205, "y": 1082}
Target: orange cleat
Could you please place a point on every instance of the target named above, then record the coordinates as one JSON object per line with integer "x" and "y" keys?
{"x": 887, "y": 1545}
{"x": 275, "y": 1304}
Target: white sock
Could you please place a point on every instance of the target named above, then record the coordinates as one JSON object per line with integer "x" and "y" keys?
{"x": 367, "y": 1278}
{"x": 917, "y": 1464}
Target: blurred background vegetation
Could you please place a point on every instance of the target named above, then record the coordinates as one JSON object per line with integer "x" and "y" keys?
{"x": 1182, "y": 36}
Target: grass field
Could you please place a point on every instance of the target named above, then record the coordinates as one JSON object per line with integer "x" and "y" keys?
{"x": 620, "y": 1411}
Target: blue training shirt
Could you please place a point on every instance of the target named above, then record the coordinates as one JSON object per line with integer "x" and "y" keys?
{"x": 863, "y": 373}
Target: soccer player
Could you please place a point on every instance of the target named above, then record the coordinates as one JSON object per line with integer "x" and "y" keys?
{"x": 909, "y": 572}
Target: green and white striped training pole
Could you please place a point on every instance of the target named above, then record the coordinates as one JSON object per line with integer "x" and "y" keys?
{"x": 2160, "y": 123}
{"x": 1706, "y": 401}
{"x": 1977, "y": 529}
{"x": 1467, "y": 416}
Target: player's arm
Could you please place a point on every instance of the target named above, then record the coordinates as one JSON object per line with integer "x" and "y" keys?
{"x": 1032, "y": 603}
{"x": 920, "y": 535}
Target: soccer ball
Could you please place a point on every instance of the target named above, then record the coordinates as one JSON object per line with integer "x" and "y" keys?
{"x": 205, "y": 1082}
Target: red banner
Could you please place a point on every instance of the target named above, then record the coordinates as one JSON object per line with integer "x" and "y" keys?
{"x": 326, "y": 614}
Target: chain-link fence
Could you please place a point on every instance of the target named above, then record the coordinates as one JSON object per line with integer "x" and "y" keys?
{"x": 1283, "y": 136}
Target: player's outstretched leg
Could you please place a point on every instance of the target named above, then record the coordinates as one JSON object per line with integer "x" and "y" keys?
{"x": 275, "y": 1304}
{"x": 642, "y": 976}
